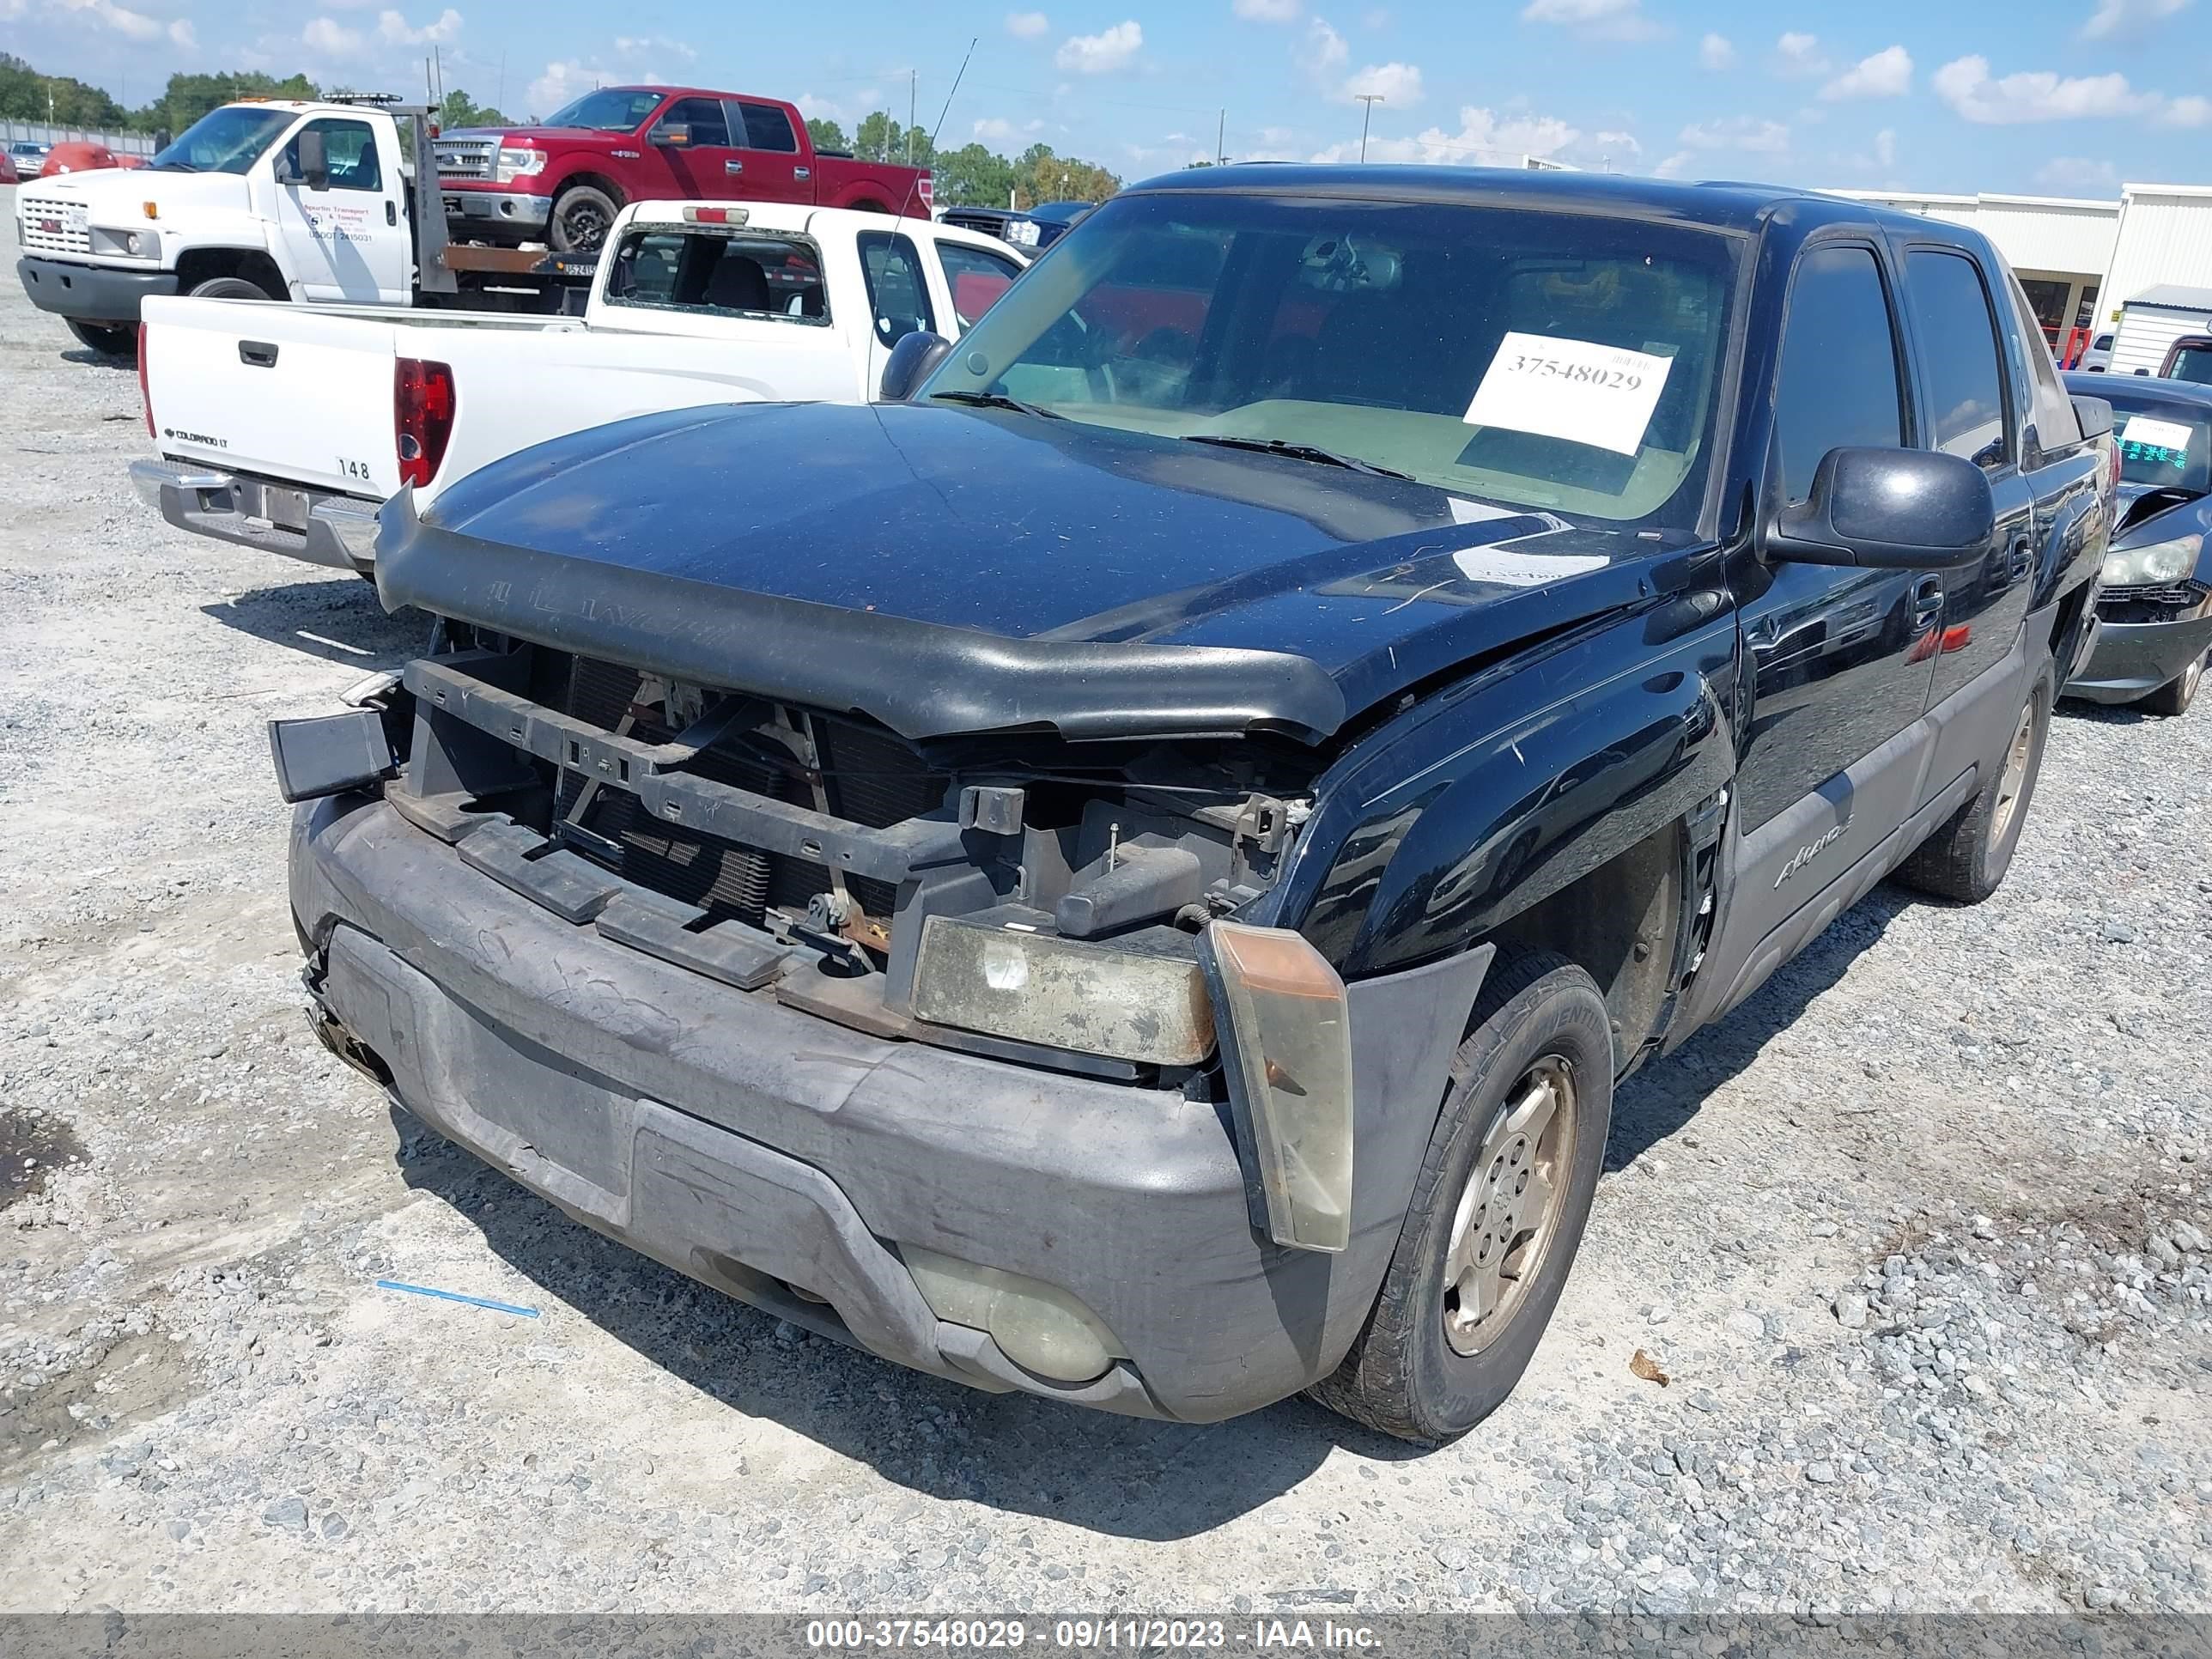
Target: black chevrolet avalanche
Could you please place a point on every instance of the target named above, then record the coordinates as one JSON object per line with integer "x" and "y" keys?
{"x": 1132, "y": 872}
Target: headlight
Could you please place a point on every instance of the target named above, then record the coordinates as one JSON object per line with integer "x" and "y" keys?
{"x": 2153, "y": 563}
{"x": 126, "y": 244}
{"x": 1287, "y": 1046}
{"x": 1062, "y": 993}
{"x": 1023, "y": 233}
{"x": 518, "y": 164}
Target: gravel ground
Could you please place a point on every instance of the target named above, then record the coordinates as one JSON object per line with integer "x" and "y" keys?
{"x": 1919, "y": 1236}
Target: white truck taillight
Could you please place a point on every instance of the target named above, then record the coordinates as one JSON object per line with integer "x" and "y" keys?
{"x": 145, "y": 394}
{"x": 422, "y": 403}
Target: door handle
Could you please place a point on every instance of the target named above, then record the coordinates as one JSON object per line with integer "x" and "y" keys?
{"x": 2021, "y": 560}
{"x": 391, "y": 212}
{"x": 256, "y": 354}
{"x": 733, "y": 166}
{"x": 1927, "y": 602}
{"x": 802, "y": 174}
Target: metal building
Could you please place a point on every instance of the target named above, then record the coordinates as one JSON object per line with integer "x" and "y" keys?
{"x": 2083, "y": 261}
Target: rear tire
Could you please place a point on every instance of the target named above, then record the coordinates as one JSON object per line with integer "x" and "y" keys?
{"x": 232, "y": 288}
{"x": 581, "y": 220}
{"x": 2178, "y": 693}
{"x": 1967, "y": 858}
{"x": 118, "y": 340}
{"x": 1443, "y": 1346}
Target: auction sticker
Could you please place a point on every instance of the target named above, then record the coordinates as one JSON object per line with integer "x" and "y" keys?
{"x": 1577, "y": 390}
{"x": 2156, "y": 434}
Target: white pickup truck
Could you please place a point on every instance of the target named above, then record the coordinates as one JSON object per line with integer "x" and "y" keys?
{"x": 286, "y": 426}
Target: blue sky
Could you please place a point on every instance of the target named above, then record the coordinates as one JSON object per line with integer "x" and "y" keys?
{"x": 2064, "y": 97}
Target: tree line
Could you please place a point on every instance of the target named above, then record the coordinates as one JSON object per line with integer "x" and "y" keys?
{"x": 974, "y": 175}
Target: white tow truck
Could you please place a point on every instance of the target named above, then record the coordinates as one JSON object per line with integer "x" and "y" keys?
{"x": 286, "y": 426}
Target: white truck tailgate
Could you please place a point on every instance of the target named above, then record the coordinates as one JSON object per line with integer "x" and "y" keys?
{"x": 275, "y": 391}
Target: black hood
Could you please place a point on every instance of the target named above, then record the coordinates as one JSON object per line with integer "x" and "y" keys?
{"x": 993, "y": 543}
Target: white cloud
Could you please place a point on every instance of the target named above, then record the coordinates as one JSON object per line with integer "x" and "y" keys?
{"x": 1266, "y": 11}
{"x": 1717, "y": 52}
{"x": 181, "y": 35}
{"x": 2189, "y": 111}
{"x": 2076, "y": 175}
{"x": 396, "y": 32}
{"x": 1965, "y": 85}
{"x": 1484, "y": 139}
{"x": 1398, "y": 85}
{"x": 1027, "y": 25}
{"x": 1885, "y": 148}
{"x": 330, "y": 37}
{"x": 2125, "y": 17}
{"x": 1325, "y": 52}
{"x": 1799, "y": 55}
{"x": 1887, "y": 74}
{"x": 630, "y": 45}
{"x": 1609, "y": 20}
{"x": 1674, "y": 165}
{"x": 132, "y": 25}
{"x": 992, "y": 130}
{"x": 1745, "y": 134}
{"x": 1104, "y": 53}
{"x": 565, "y": 82}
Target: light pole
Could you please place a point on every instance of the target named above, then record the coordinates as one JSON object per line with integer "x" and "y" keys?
{"x": 1367, "y": 114}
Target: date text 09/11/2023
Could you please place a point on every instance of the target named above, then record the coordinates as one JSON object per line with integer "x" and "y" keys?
{"x": 1089, "y": 1634}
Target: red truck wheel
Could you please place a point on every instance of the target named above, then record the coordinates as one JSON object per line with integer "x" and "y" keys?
{"x": 581, "y": 219}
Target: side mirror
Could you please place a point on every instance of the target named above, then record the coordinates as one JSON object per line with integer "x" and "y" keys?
{"x": 314, "y": 154}
{"x": 913, "y": 361}
{"x": 2095, "y": 415}
{"x": 670, "y": 135}
{"x": 1887, "y": 509}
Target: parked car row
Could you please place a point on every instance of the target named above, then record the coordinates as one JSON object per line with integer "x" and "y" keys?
{"x": 1129, "y": 869}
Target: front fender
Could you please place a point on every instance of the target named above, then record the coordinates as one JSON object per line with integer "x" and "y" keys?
{"x": 1465, "y": 809}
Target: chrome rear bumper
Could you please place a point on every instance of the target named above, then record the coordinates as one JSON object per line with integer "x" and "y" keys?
{"x": 318, "y": 526}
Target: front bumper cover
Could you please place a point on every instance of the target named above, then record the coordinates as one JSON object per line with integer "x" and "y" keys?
{"x": 472, "y": 213}
{"x": 2132, "y": 659}
{"x": 90, "y": 293}
{"x": 770, "y": 1153}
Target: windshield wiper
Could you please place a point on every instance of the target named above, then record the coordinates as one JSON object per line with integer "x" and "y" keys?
{"x": 173, "y": 166}
{"x": 997, "y": 400}
{"x": 1297, "y": 453}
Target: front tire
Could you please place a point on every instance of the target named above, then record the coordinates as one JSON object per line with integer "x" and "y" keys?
{"x": 2178, "y": 693}
{"x": 1967, "y": 858}
{"x": 581, "y": 219}
{"x": 1497, "y": 1211}
{"x": 231, "y": 288}
{"x": 118, "y": 340}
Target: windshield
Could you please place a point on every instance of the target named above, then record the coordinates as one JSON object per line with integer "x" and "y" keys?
{"x": 2166, "y": 445}
{"x": 1541, "y": 359}
{"x": 227, "y": 140}
{"x": 606, "y": 112}
{"x": 2194, "y": 364}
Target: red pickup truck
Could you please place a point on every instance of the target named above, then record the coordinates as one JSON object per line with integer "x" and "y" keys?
{"x": 562, "y": 182}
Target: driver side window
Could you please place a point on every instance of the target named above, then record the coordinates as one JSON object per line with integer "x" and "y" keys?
{"x": 1838, "y": 382}
{"x": 350, "y": 147}
{"x": 898, "y": 295}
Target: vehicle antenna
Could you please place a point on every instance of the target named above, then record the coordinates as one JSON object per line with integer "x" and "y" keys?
{"x": 905, "y": 200}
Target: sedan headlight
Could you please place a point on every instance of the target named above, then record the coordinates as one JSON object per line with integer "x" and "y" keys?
{"x": 2153, "y": 563}
{"x": 518, "y": 163}
{"x": 126, "y": 244}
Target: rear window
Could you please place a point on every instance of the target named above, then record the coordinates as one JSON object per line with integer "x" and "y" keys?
{"x": 744, "y": 274}
{"x": 764, "y": 126}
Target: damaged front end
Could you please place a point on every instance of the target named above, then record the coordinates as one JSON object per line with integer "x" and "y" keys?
{"x": 1053, "y": 904}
